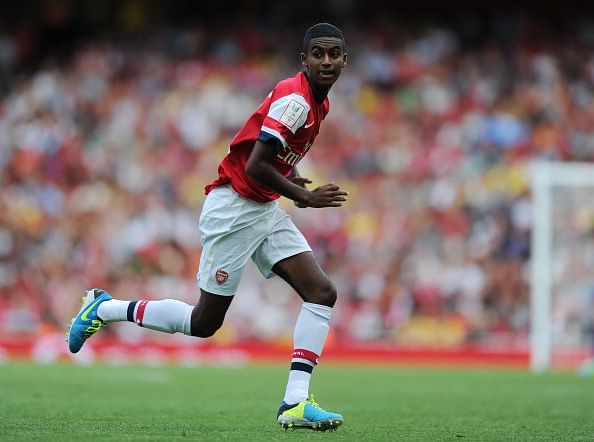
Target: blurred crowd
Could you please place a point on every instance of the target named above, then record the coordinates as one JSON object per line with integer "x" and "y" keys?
{"x": 103, "y": 161}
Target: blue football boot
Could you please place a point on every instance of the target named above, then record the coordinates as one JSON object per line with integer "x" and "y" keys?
{"x": 308, "y": 414}
{"x": 86, "y": 323}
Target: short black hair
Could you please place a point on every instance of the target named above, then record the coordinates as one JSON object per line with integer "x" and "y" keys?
{"x": 321, "y": 30}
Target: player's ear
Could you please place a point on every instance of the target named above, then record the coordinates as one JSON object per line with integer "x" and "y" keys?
{"x": 304, "y": 60}
{"x": 344, "y": 60}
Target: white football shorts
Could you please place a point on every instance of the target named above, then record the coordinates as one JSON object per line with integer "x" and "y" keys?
{"x": 234, "y": 229}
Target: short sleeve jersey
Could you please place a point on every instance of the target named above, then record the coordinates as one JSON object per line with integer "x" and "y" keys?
{"x": 289, "y": 118}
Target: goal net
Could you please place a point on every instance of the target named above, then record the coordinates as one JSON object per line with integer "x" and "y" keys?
{"x": 562, "y": 271}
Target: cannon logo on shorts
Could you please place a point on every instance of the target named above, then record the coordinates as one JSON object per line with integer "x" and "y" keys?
{"x": 221, "y": 276}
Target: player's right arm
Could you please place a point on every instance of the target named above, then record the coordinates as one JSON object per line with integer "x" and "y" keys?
{"x": 260, "y": 168}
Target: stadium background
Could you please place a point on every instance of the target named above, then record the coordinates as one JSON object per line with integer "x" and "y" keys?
{"x": 114, "y": 114}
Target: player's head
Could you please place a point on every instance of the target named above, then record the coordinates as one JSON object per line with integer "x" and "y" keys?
{"x": 321, "y": 30}
{"x": 323, "y": 54}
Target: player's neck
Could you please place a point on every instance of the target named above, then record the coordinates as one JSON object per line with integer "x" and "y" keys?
{"x": 319, "y": 93}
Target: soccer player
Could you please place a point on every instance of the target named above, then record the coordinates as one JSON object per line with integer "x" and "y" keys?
{"x": 241, "y": 219}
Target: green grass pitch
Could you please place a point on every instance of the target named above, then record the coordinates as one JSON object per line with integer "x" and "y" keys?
{"x": 65, "y": 402}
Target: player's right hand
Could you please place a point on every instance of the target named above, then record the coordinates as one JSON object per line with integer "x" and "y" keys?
{"x": 328, "y": 195}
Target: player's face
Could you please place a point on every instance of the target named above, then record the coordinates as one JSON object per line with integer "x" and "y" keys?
{"x": 324, "y": 60}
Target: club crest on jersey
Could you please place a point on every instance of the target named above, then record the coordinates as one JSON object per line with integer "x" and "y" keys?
{"x": 291, "y": 114}
{"x": 221, "y": 276}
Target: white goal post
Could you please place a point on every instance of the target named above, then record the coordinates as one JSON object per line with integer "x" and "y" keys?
{"x": 548, "y": 178}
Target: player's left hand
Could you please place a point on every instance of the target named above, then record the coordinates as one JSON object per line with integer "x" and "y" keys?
{"x": 301, "y": 182}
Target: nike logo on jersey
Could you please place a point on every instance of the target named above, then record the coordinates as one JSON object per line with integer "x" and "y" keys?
{"x": 307, "y": 126}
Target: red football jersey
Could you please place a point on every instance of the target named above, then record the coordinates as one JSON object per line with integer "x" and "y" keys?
{"x": 291, "y": 115}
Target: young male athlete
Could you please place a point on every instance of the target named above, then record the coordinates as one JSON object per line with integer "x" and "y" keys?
{"x": 241, "y": 219}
